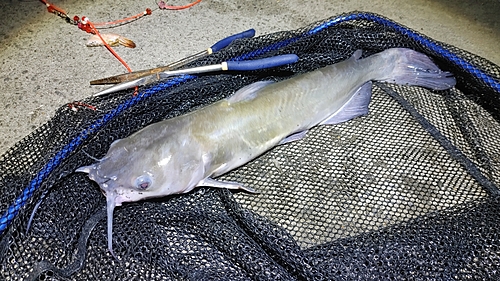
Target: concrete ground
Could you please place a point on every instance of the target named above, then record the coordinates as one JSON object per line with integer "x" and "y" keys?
{"x": 44, "y": 62}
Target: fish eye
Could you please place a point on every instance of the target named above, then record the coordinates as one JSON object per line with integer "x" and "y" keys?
{"x": 143, "y": 182}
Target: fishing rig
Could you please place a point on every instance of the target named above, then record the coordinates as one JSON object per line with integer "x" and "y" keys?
{"x": 88, "y": 26}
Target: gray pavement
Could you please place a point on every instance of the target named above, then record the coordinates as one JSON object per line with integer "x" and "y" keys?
{"x": 44, "y": 62}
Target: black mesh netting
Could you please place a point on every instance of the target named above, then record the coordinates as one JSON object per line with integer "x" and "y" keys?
{"x": 405, "y": 193}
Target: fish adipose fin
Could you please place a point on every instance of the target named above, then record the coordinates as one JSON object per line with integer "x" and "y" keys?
{"x": 225, "y": 184}
{"x": 248, "y": 92}
{"x": 354, "y": 107}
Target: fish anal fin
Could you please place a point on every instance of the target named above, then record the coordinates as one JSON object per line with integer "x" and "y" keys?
{"x": 294, "y": 137}
{"x": 248, "y": 92}
{"x": 356, "y": 106}
{"x": 225, "y": 184}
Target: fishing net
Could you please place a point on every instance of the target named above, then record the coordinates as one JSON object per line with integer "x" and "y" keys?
{"x": 408, "y": 192}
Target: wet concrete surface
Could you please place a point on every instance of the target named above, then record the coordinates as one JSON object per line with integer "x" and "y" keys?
{"x": 44, "y": 63}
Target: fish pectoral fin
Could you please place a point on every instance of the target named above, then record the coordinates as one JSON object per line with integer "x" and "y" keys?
{"x": 354, "y": 107}
{"x": 294, "y": 137}
{"x": 225, "y": 184}
{"x": 248, "y": 92}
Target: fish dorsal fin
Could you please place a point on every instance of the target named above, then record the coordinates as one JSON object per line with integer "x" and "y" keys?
{"x": 248, "y": 92}
{"x": 356, "y": 106}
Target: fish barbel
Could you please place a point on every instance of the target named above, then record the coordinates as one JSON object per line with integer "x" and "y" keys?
{"x": 178, "y": 154}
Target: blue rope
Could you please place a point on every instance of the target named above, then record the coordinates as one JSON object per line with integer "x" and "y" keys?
{"x": 20, "y": 201}
{"x": 416, "y": 37}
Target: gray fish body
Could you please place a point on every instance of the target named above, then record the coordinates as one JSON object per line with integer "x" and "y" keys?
{"x": 178, "y": 154}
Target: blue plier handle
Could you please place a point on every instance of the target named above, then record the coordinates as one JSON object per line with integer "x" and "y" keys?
{"x": 224, "y": 66}
{"x": 141, "y": 73}
{"x": 228, "y": 40}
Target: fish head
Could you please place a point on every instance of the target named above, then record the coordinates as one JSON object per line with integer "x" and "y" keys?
{"x": 122, "y": 187}
{"x": 129, "y": 173}
{"x": 126, "y": 175}
{"x": 132, "y": 171}
{"x": 108, "y": 173}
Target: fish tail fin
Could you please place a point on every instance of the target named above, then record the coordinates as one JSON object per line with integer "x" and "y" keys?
{"x": 416, "y": 69}
{"x": 126, "y": 42}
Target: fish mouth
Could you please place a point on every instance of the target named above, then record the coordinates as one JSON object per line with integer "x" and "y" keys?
{"x": 86, "y": 169}
{"x": 92, "y": 171}
{"x": 93, "y": 174}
